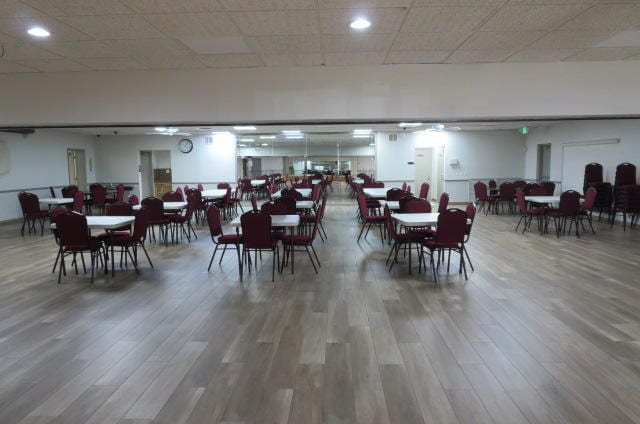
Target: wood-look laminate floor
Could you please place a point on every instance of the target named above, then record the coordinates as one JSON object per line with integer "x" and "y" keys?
{"x": 545, "y": 330}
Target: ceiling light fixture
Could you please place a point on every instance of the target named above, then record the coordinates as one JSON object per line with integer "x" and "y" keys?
{"x": 362, "y": 131}
{"x": 361, "y": 136}
{"x": 247, "y": 139}
{"x": 267, "y": 137}
{"x": 294, "y": 137}
{"x": 291, "y": 132}
{"x": 409, "y": 124}
{"x": 221, "y": 133}
{"x": 265, "y": 144}
{"x": 360, "y": 23}
{"x": 244, "y": 128}
{"x": 242, "y": 145}
{"x": 372, "y": 144}
{"x": 38, "y": 32}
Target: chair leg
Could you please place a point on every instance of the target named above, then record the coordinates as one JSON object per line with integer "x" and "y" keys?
{"x": 222, "y": 256}
{"x": 146, "y": 254}
{"x": 311, "y": 259}
{"x": 464, "y": 249}
{"x": 316, "y": 255}
{"x": 212, "y": 256}
{"x": 361, "y": 230}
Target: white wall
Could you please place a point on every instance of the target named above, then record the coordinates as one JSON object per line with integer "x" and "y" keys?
{"x": 38, "y": 161}
{"x": 118, "y": 158}
{"x": 627, "y": 149}
{"x": 161, "y": 159}
{"x": 389, "y": 92}
{"x": 481, "y": 155}
{"x": 272, "y": 164}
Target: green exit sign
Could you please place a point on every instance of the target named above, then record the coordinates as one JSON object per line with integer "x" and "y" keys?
{"x": 524, "y": 130}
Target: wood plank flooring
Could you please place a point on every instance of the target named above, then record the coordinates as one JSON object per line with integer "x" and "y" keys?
{"x": 545, "y": 330}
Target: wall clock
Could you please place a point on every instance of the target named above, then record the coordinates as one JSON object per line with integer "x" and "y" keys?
{"x": 185, "y": 145}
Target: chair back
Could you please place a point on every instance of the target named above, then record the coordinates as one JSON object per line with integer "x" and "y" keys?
{"x": 120, "y": 193}
{"x": 291, "y": 192}
{"x": 395, "y": 194}
{"x": 69, "y": 191}
{"x": 180, "y": 193}
{"x": 140, "y": 225}
{"x": 133, "y": 200}
{"x": 480, "y": 190}
{"x": 362, "y": 205}
{"x": 391, "y": 229}
{"x": 98, "y": 194}
{"x": 452, "y": 225}
{"x": 471, "y": 215}
{"x": 444, "y": 202}
{"x": 589, "y": 199}
{"x": 569, "y": 203}
{"x": 52, "y": 192}
{"x": 316, "y": 192}
{"x": 373, "y": 184}
{"x": 194, "y": 197}
{"x": 493, "y": 184}
{"x": 254, "y": 202}
{"x": 625, "y": 174}
{"x": 530, "y": 188}
{"x": 409, "y": 189}
{"x": 213, "y": 219}
{"x": 222, "y": 186}
{"x": 200, "y": 187}
{"x": 290, "y": 204}
{"x": 593, "y": 174}
{"x": 633, "y": 193}
{"x": 171, "y": 196}
{"x": 186, "y": 188}
{"x": 411, "y": 204}
{"x": 522, "y": 204}
{"x": 155, "y": 207}
{"x": 119, "y": 209}
{"x": 404, "y": 186}
{"x": 256, "y": 230}
{"x": 424, "y": 191}
{"x": 78, "y": 201}
{"x": 53, "y": 216}
{"x": 273, "y": 208}
{"x": 323, "y": 206}
{"x": 549, "y": 187}
{"x": 246, "y": 185}
{"x": 72, "y": 229}
{"x": 29, "y": 203}
{"x": 519, "y": 184}
{"x": 507, "y": 192}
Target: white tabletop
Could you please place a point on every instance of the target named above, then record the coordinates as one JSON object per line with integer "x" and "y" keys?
{"x": 393, "y": 204}
{"x": 257, "y": 182}
{"x": 172, "y": 206}
{"x": 306, "y": 192}
{"x": 56, "y": 200}
{"x": 304, "y": 204}
{"x": 276, "y": 221}
{"x": 358, "y": 180}
{"x": 315, "y": 181}
{"x": 214, "y": 193}
{"x": 375, "y": 192}
{"x": 416, "y": 219}
{"x": 542, "y": 199}
{"x": 107, "y": 222}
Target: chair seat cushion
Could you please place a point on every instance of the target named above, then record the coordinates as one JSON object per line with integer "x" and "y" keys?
{"x": 423, "y": 233}
{"x": 93, "y": 243}
{"x": 433, "y": 244}
{"x": 375, "y": 218}
{"x": 106, "y": 234}
{"x": 535, "y": 211}
{"x": 297, "y": 239}
{"x": 230, "y": 239}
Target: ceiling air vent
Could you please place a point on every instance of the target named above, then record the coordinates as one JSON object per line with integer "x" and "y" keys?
{"x": 208, "y": 139}
{"x": 393, "y": 137}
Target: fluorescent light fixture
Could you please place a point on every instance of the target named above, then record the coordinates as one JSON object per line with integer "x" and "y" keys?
{"x": 360, "y": 23}
{"x": 362, "y": 131}
{"x": 247, "y": 139}
{"x": 409, "y": 124}
{"x": 438, "y": 127}
{"x": 361, "y": 136}
{"x": 242, "y": 145}
{"x": 221, "y": 133}
{"x": 291, "y": 132}
{"x": 372, "y": 144}
{"x": 38, "y": 32}
{"x": 244, "y": 128}
{"x": 294, "y": 137}
{"x": 267, "y": 137}
{"x": 160, "y": 129}
{"x": 264, "y": 144}
{"x": 172, "y": 130}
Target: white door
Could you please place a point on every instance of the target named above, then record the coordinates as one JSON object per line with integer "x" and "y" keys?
{"x": 77, "y": 168}
{"x": 423, "y": 169}
{"x": 146, "y": 175}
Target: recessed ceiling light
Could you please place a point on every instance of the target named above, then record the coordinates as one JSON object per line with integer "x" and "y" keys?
{"x": 244, "y": 128}
{"x": 242, "y": 145}
{"x": 294, "y": 137}
{"x": 38, "y": 32}
{"x": 160, "y": 129}
{"x": 247, "y": 139}
{"x": 372, "y": 144}
{"x": 360, "y": 23}
{"x": 265, "y": 144}
{"x": 361, "y": 136}
{"x": 409, "y": 124}
{"x": 267, "y": 137}
{"x": 291, "y": 132}
{"x": 172, "y": 130}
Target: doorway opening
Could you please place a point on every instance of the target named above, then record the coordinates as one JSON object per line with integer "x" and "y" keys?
{"x": 155, "y": 177}
{"x": 544, "y": 162}
{"x": 429, "y": 168}
{"x": 77, "y": 168}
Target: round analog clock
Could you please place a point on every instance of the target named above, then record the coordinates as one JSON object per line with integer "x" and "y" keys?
{"x": 185, "y": 145}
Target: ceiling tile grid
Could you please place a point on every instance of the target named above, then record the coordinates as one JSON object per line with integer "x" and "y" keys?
{"x": 189, "y": 34}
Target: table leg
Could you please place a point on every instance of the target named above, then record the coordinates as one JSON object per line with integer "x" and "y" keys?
{"x": 113, "y": 262}
{"x": 293, "y": 250}
{"x": 239, "y": 255}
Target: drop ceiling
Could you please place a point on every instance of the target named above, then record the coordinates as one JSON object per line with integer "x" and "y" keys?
{"x": 185, "y": 34}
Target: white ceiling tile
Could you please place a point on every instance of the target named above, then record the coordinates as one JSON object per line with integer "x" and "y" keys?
{"x": 383, "y": 20}
{"x": 356, "y": 43}
{"x": 350, "y": 59}
{"x": 13, "y": 68}
{"x": 17, "y": 9}
{"x": 543, "y": 17}
{"x": 478, "y": 56}
{"x": 431, "y": 41}
{"x": 22, "y": 50}
{"x": 190, "y": 25}
{"x": 501, "y": 40}
{"x": 416, "y": 56}
{"x": 305, "y": 59}
{"x": 111, "y": 64}
{"x": 17, "y": 27}
{"x": 572, "y": 39}
{"x": 85, "y": 48}
{"x": 171, "y": 62}
{"x": 241, "y": 5}
{"x": 607, "y": 16}
{"x": 221, "y": 44}
{"x": 232, "y": 60}
{"x": 54, "y": 65}
{"x": 542, "y": 55}
{"x": 356, "y": 4}
{"x": 277, "y": 22}
{"x": 285, "y": 44}
{"x": 445, "y": 19}
{"x": 173, "y": 6}
{"x": 113, "y": 27}
{"x": 79, "y": 7}
{"x": 149, "y": 48}
{"x": 604, "y": 54}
